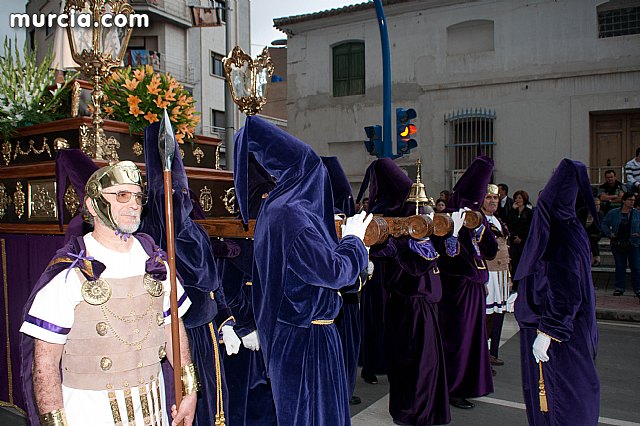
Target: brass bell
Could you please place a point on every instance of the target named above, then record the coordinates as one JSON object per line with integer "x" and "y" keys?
{"x": 418, "y": 193}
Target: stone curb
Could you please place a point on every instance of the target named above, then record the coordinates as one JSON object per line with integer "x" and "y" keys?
{"x": 617, "y": 315}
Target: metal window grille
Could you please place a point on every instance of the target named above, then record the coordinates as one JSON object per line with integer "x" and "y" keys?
{"x": 468, "y": 133}
{"x": 348, "y": 69}
{"x": 619, "y": 22}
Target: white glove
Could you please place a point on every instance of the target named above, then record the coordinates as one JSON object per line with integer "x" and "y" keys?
{"x": 231, "y": 340}
{"x": 431, "y": 216}
{"x": 370, "y": 268}
{"x": 458, "y": 221}
{"x": 251, "y": 341}
{"x": 357, "y": 225}
{"x": 540, "y": 347}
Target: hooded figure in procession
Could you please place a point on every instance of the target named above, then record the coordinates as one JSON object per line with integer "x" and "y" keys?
{"x": 348, "y": 320}
{"x": 210, "y": 319}
{"x": 408, "y": 269}
{"x": 555, "y": 307}
{"x": 464, "y": 273}
{"x": 250, "y": 396}
{"x": 299, "y": 267}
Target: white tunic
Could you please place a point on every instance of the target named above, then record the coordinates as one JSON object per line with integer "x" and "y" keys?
{"x": 498, "y": 284}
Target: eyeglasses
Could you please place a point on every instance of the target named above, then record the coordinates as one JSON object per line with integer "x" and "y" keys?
{"x": 125, "y": 197}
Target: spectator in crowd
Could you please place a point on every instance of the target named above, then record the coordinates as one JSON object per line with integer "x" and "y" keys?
{"x": 594, "y": 233}
{"x": 622, "y": 226}
{"x": 593, "y": 227}
{"x": 519, "y": 222}
{"x": 610, "y": 192}
{"x": 365, "y": 205}
{"x": 506, "y": 202}
{"x": 444, "y": 195}
{"x": 441, "y": 205}
{"x": 632, "y": 170}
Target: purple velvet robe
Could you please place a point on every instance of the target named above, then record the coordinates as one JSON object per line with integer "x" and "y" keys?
{"x": 250, "y": 396}
{"x": 462, "y": 313}
{"x": 414, "y": 350}
{"x": 195, "y": 263}
{"x": 556, "y": 296}
{"x": 348, "y": 319}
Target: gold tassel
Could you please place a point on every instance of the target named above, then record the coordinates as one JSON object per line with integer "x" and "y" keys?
{"x": 543, "y": 393}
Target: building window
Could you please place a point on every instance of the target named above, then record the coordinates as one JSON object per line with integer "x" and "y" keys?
{"x": 468, "y": 133}
{"x": 217, "y": 68}
{"x": 348, "y": 69}
{"x": 221, "y": 10}
{"x": 618, "y": 18}
{"x": 218, "y": 121}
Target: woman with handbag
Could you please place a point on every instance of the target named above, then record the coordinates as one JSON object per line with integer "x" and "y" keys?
{"x": 622, "y": 226}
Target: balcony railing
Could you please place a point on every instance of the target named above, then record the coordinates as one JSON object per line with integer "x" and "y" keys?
{"x": 181, "y": 70}
{"x": 174, "y": 8}
{"x": 217, "y": 132}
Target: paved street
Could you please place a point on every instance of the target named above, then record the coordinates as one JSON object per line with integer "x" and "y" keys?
{"x": 617, "y": 365}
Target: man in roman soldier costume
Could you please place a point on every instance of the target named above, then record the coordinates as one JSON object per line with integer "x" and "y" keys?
{"x": 96, "y": 325}
{"x": 498, "y": 284}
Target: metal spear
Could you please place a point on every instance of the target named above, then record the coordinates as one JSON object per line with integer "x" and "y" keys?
{"x": 167, "y": 148}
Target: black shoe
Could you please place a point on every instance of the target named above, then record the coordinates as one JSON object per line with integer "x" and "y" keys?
{"x": 369, "y": 378}
{"x": 496, "y": 361}
{"x": 461, "y": 403}
{"x": 618, "y": 293}
{"x": 355, "y": 400}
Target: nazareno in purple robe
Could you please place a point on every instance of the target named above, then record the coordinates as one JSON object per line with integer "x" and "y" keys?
{"x": 412, "y": 341}
{"x": 196, "y": 265}
{"x": 299, "y": 267}
{"x": 463, "y": 272}
{"x": 348, "y": 319}
{"x": 250, "y": 396}
{"x": 556, "y": 296}
{"x": 373, "y": 300}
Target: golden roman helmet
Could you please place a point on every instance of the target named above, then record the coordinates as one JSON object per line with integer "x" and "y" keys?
{"x": 492, "y": 189}
{"x": 121, "y": 173}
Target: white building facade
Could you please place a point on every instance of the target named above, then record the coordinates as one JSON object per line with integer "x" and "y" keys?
{"x": 526, "y": 82}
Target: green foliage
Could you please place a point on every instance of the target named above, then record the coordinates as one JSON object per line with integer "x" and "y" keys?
{"x": 28, "y": 93}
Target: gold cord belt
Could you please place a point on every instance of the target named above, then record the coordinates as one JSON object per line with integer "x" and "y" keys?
{"x": 322, "y": 322}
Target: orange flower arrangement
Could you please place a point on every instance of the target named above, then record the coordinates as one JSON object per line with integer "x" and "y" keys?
{"x": 139, "y": 96}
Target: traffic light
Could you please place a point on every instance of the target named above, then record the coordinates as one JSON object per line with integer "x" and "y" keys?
{"x": 374, "y": 145}
{"x": 406, "y": 130}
